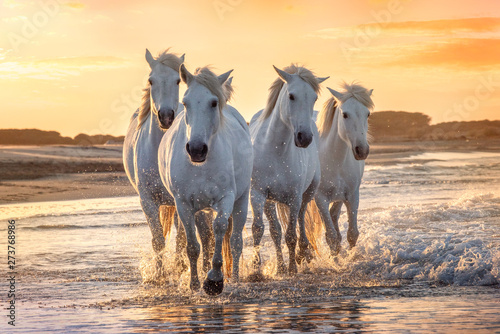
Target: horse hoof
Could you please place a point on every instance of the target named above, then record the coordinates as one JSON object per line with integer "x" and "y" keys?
{"x": 195, "y": 286}
{"x": 306, "y": 254}
{"x": 299, "y": 258}
{"x": 281, "y": 270}
{"x": 213, "y": 288}
{"x": 309, "y": 255}
{"x": 292, "y": 271}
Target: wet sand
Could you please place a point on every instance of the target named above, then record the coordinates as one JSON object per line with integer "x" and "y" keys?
{"x": 54, "y": 173}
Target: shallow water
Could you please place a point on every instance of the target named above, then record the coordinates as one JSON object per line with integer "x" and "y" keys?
{"x": 427, "y": 260}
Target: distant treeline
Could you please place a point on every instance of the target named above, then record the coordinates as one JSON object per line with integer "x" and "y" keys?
{"x": 412, "y": 126}
{"x": 40, "y": 137}
{"x": 384, "y": 126}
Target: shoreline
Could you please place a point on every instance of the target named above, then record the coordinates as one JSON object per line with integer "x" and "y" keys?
{"x": 53, "y": 173}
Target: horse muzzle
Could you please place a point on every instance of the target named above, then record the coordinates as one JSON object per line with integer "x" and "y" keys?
{"x": 303, "y": 139}
{"x": 361, "y": 152}
{"x": 166, "y": 118}
{"x": 197, "y": 151}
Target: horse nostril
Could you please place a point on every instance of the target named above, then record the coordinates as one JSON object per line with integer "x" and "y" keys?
{"x": 358, "y": 151}
{"x": 187, "y": 148}
{"x": 299, "y": 136}
{"x": 204, "y": 149}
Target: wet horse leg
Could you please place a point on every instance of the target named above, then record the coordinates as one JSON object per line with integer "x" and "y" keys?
{"x": 257, "y": 201}
{"x": 186, "y": 215}
{"x": 352, "y": 214}
{"x": 203, "y": 223}
{"x": 333, "y": 237}
{"x": 275, "y": 229}
{"x": 240, "y": 212}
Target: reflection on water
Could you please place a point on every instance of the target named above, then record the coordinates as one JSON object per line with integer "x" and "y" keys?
{"x": 342, "y": 315}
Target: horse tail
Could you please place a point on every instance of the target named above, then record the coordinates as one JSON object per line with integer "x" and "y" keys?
{"x": 167, "y": 214}
{"x": 314, "y": 224}
{"x": 283, "y": 215}
{"x": 312, "y": 221}
{"x": 226, "y": 249}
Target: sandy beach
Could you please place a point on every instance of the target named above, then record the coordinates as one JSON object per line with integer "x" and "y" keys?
{"x": 55, "y": 173}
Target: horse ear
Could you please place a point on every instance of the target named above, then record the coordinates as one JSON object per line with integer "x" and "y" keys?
{"x": 283, "y": 75}
{"x": 228, "y": 89}
{"x": 150, "y": 59}
{"x": 336, "y": 94}
{"x": 185, "y": 75}
{"x": 182, "y": 58}
{"x": 223, "y": 77}
{"x": 320, "y": 80}
{"x": 370, "y": 93}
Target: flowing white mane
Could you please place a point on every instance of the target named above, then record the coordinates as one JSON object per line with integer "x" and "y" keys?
{"x": 326, "y": 115}
{"x": 207, "y": 78}
{"x": 165, "y": 58}
{"x": 274, "y": 91}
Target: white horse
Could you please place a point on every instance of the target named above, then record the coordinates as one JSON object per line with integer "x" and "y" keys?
{"x": 205, "y": 162}
{"x": 160, "y": 105}
{"x": 343, "y": 147}
{"x": 286, "y": 164}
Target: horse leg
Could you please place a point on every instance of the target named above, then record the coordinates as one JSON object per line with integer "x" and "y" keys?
{"x": 334, "y": 215}
{"x": 180, "y": 244}
{"x": 305, "y": 250}
{"x": 275, "y": 229}
{"x": 257, "y": 201}
{"x": 214, "y": 283}
{"x": 152, "y": 211}
{"x": 333, "y": 237}
{"x": 352, "y": 214}
{"x": 206, "y": 233}
{"x": 304, "y": 245}
{"x": 186, "y": 215}
{"x": 240, "y": 212}
{"x": 291, "y": 237}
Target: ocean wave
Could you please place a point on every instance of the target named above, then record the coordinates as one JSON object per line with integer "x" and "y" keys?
{"x": 442, "y": 243}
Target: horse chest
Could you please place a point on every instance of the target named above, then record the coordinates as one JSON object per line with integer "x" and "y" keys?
{"x": 200, "y": 187}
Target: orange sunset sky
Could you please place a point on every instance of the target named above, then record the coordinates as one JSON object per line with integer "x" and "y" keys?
{"x": 78, "y": 66}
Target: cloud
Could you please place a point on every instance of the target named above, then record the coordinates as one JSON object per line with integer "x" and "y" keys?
{"x": 449, "y": 26}
{"x": 14, "y": 19}
{"x": 458, "y": 53}
{"x": 414, "y": 28}
{"x": 13, "y": 4}
{"x": 58, "y": 68}
{"x": 74, "y": 5}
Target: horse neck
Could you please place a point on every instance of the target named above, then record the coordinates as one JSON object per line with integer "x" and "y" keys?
{"x": 155, "y": 133}
{"x": 337, "y": 149}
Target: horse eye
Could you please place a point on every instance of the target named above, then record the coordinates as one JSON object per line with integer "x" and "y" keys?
{"x": 369, "y": 115}
{"x": 345, "y": 115}
{"x": 214, "y": 104}
{"x": 178, "y": 81}
{"x": 292, "y": 97}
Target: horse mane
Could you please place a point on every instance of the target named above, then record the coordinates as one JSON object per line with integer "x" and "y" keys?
{"x": 358, "y": 92}
{"x": 165, "y": 58}
{"x": 275, "y": 89}
{"x": 325, "y": 116}
{"x": 207, "y": 78}
{"x": 354, "y": 90}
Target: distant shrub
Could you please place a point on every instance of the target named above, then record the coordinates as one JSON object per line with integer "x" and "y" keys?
{"x": 41, "y": 137}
